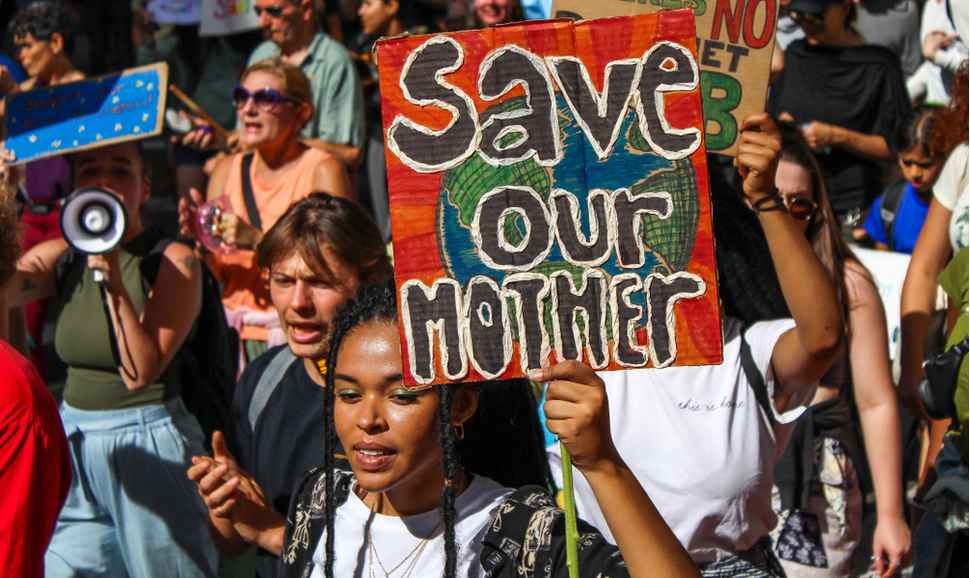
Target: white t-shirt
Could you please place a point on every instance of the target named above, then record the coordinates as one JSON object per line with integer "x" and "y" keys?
{"x": 951, "y": 192}
{"x": 700, "y": 445}
{"x": 394, "y": 538}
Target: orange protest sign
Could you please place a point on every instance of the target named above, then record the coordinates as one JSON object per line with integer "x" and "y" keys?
{"x": 549, "y": 198}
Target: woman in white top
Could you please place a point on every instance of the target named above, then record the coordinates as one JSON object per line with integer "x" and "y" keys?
{"x": 698, "y": 439}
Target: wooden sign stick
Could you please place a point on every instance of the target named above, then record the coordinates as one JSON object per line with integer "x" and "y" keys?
{"x": 198, "y": 111}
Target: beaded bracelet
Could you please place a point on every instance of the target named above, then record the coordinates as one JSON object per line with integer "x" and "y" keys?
{"x": 759, "y": 205}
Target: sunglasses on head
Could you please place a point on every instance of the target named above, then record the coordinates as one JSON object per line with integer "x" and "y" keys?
{"x": 801, "y": 209}
{"x": 807, "y": 18}
{"x": 266, "y": 99}
{"x": 274, "y": 12}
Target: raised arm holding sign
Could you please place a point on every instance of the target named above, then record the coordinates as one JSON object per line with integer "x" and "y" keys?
{"x": 702, "y": 441}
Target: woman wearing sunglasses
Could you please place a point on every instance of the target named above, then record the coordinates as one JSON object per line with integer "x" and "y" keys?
{"x": 824, "y": 436}
{"x": 277, "y": 169}
{"x": 848, "y": 96}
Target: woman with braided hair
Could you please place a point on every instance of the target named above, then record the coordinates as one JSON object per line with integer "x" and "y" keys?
{"x": 420, "y": 481}
{"x": 432, "y": 491}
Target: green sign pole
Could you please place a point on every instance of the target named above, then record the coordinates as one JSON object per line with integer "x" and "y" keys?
{"x": 572, "y": 531}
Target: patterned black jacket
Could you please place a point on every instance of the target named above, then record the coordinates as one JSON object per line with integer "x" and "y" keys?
{"x": 527, "y": 537}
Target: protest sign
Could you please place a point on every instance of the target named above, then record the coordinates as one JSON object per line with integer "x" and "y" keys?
{"x": 549, "y": 198}
{"x": 86, "y": 114}
{"x": 224, "y": 17}
{"x": 735, "y": 41}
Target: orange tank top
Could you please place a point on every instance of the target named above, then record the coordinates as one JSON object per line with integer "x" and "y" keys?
{"x": 245, "y": 284}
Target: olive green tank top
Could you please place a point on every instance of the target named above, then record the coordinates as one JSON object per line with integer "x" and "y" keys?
{"x": 83, "y": 339}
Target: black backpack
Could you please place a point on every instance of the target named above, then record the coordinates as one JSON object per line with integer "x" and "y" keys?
{"x": 891, "y": 201}
{"x": 210, "y": 354}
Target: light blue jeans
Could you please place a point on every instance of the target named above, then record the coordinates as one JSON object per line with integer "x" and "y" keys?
{"x": 132, "y": 511}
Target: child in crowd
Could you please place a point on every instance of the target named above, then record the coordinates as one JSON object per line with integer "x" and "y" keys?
{"x": 897, "y": 215}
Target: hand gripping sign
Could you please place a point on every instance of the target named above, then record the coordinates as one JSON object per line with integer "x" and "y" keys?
{"x": 549, "y": 198}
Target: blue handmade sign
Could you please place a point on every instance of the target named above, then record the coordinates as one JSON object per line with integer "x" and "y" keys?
{"x": 90, "y": 113}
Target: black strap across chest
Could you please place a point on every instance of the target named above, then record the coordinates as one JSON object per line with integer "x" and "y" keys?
{"x": 247, "y": 191}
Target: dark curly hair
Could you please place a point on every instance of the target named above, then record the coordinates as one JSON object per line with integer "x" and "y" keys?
{"x": 954, "y": 123}
{"x": 43, "y": 19}
{"x": 9, "y": 235}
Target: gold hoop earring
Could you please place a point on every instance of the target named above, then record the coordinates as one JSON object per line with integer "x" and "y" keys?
{"x": 460, "y": 431}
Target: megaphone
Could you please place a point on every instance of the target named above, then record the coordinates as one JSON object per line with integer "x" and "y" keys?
{"x": 93, "y": 221}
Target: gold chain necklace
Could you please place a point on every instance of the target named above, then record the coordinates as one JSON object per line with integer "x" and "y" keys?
{"x": 411, "y": 559}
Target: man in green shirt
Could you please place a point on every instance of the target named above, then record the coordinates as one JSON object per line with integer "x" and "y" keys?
{"x": 337, "y": 126}
{"x": 293, "y": 36}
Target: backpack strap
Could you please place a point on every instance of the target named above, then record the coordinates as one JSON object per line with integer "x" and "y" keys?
{"x": 267, "y": 383}
{"x": 247, "y": 191}
{"x": 63, "y": 267}
{"x": 755, "y": 378}
{"x": 892, "y": 199}
{"x": 151, "y": 263}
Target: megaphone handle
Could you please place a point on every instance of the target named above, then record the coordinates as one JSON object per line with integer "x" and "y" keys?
{"x": 99, "y": 277}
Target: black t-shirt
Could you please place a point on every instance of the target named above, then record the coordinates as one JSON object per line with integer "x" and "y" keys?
{"x": 860, "y": 88}
{"x": 288, "y": 438}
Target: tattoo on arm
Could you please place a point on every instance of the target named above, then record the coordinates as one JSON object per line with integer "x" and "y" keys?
{"x": 188, "y": 262}
{"x": 28, "y": 286}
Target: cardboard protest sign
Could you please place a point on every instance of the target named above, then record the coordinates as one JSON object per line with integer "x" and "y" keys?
{"x": 86, "y": 114}
{"x": 549, "y": 198}
{"x": 224, "y": 17}
{"x": 735, "y": 41}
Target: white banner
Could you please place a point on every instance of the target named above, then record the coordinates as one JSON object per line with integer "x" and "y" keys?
{"x": 888, "y": 270}
{"x": 222, "y": 17}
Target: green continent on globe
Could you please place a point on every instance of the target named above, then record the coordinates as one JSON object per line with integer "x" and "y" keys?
{"x": 671, "y": 239}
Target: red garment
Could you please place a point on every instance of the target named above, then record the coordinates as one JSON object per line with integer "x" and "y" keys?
{"x": 35, "y": 466}
{"x": 37, "y": 229}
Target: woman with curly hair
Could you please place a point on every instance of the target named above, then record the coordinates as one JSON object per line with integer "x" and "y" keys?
{"x": 946, "y": 233}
